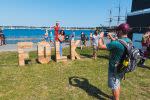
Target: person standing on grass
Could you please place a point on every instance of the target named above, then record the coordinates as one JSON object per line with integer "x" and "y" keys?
{"x": 83, "y": 40}
{"x": 61, "y": 38}
{"x": 95, "y": 40}
{"x": 116, "y": 51}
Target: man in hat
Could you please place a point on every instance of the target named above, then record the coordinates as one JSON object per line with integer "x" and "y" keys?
{"x": 116, "y": 51}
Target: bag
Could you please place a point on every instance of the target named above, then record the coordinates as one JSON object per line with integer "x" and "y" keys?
{"x": 129, "y": 59}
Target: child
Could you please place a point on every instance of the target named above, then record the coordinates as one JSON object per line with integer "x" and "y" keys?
{"x": 95, "y": 40}
{"x": 46, "y": 36}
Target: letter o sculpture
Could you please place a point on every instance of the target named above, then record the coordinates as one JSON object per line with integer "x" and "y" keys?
{"x": 44, "y": 52}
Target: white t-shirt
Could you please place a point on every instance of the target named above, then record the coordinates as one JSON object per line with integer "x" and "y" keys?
{"x": 95, "y": 39}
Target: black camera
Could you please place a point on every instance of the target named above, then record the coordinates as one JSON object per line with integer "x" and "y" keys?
{"x": 105, "y": 34}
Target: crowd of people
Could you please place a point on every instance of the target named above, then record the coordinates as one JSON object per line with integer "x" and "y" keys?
{"x": 62, "y": 37}
{"x": 94, "y": 39}
{"x": 116, "y": 48}
{"x": 2, "y": 38}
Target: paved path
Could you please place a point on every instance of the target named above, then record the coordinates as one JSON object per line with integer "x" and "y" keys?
{"x": 13, "y": 47}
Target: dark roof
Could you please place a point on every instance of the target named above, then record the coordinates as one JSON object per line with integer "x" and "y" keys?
{"x": 140, "y": 5}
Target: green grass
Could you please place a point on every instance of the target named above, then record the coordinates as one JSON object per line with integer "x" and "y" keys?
{"x": 84, "y": 79}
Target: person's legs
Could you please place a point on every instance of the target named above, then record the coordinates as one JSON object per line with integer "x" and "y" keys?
{"x": 91, "y": 42}
{"x": 94, "y": 55}
{"x": 142, "y": 62}
{"x": 114, "y": 84}
{"x": 94, "y": 52}
{"x": 116, "y": 93}
{"x": 85, "y": 43}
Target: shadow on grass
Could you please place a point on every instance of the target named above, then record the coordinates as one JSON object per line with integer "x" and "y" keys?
{"x": 87, "y": 87}
{"x": 103, "y": 56}
{"x": 28, "y": 62}
{"x": 144, "y": 66}
{"x": 79, "y": 48}
{"x": 86, "y": 55}
{"x": 53, "y": 57}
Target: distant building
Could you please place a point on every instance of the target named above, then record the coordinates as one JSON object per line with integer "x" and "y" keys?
{"x": 139, "y": 18}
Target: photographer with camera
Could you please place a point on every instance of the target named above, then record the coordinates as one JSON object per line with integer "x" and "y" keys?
{"x": 116, "y": 51}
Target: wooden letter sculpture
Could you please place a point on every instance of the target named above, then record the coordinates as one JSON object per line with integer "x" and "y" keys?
{"x": 44, "y": 52}
{"x": 73, "y": 53}
{"x": 22, "y": 55}
{"x": 57, "y": 53}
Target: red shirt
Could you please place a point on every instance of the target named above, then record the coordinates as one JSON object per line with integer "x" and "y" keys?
{"x": 56, "y": 28}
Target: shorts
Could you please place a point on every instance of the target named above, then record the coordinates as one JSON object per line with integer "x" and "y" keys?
{"x": 83, "y": 42}
{"x": 95, "y": 49}
{"x": 113, "y": 81}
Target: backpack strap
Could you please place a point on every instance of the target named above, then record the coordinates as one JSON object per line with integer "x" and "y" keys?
{"x": 124, "y": 43}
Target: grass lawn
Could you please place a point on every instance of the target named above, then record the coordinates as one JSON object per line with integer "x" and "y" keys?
{"x": 84, "y": 79}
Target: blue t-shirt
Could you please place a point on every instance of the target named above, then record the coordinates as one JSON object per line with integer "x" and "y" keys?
{"x": 116, "y": 51}
{"x": 51, "y": 37}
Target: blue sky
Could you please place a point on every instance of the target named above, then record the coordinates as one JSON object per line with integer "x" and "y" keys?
{"x": 68, "y": 12}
